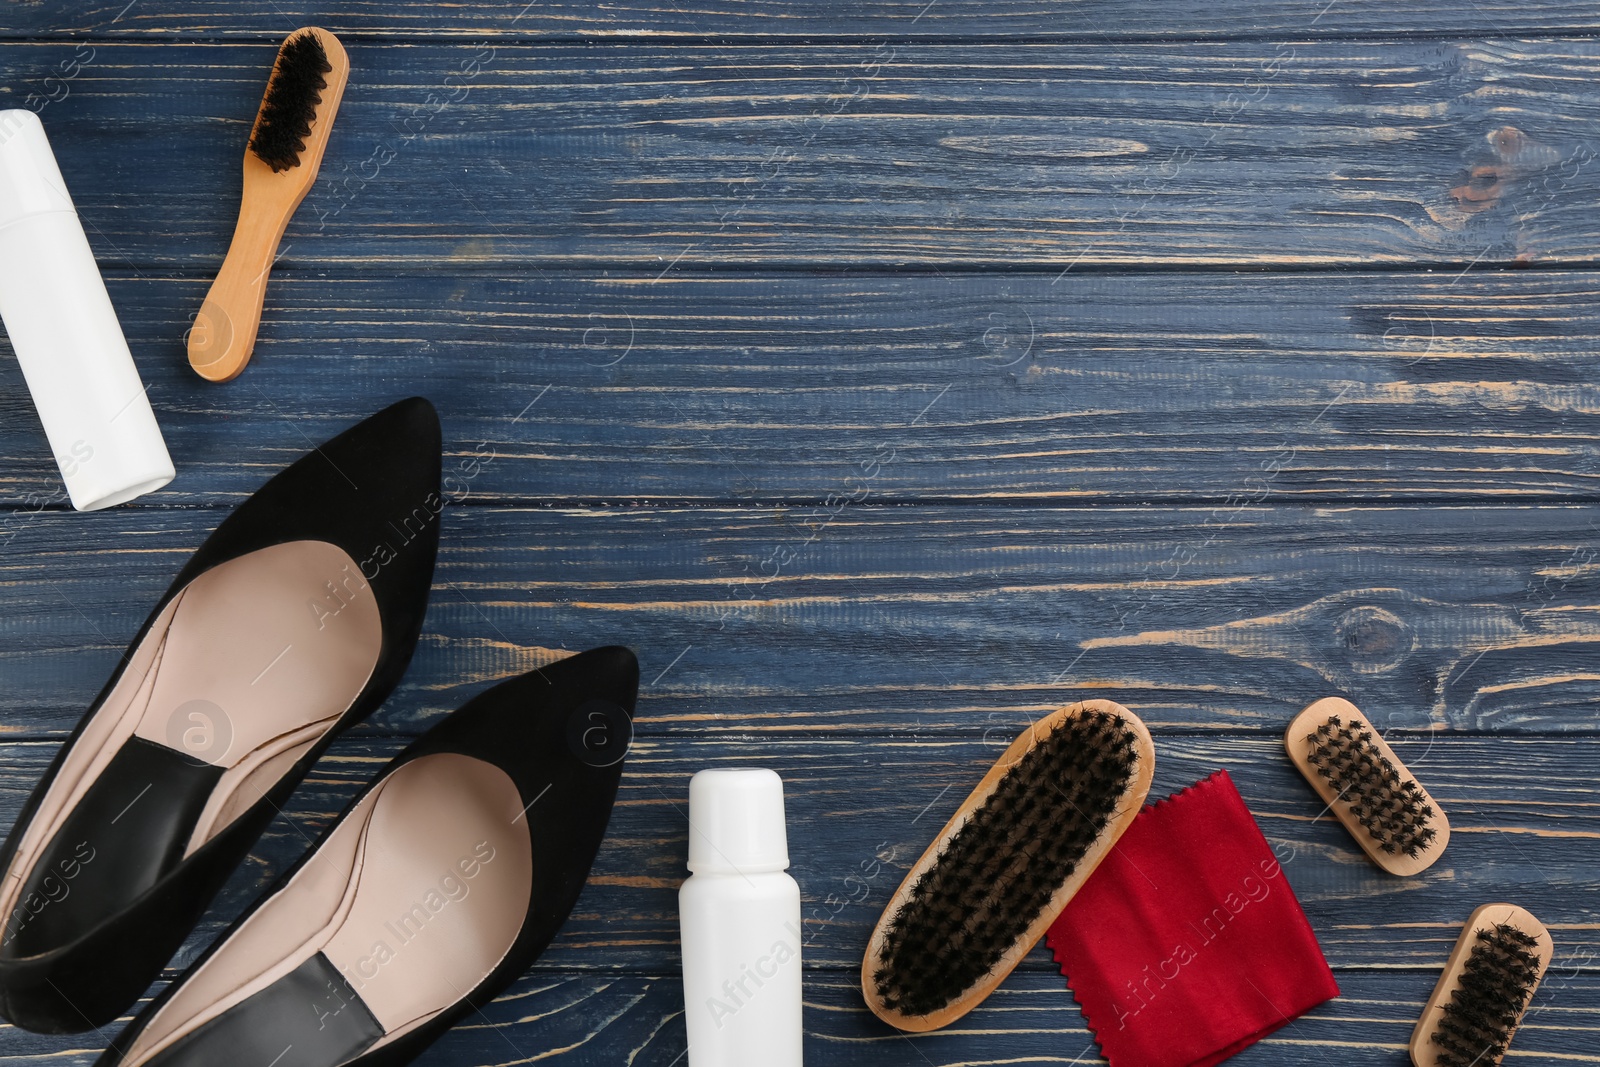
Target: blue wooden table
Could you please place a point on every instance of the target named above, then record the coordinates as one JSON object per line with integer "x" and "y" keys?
{"x": 888, "y": 373}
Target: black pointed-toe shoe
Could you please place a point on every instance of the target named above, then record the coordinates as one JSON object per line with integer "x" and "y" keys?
{"x": 433, "y": 891}
{"x": 294, "y": 620}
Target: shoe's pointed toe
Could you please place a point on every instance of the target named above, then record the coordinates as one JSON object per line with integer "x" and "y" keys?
{"x": 393, "y": 454}
{"x": 615, "y": 671}
{"x": 374, "y": 491}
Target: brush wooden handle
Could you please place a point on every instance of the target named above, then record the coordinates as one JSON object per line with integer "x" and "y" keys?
{"x": 1424, "y": 1053}
{"x": 1134, "y": 793}
{"x": 224, "y": 332}
{"x": 1299, "y": 749}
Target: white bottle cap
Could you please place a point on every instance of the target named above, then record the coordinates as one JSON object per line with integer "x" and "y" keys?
{"x": 60, "y": 321}
{"x": 736, "y": 823}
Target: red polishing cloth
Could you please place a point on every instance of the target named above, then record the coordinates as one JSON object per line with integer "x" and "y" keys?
{"x": 1187, "y": 945}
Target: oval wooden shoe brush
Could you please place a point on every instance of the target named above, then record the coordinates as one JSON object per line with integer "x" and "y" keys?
{"x": 1394, "y": 820}
{"x": 1005, "y": 865}
{"x": 280, "y": 165}
{"x": 1487, "y": 983}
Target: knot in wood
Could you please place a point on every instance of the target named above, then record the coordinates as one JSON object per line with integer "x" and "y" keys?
{"x": 1373, "y": 640}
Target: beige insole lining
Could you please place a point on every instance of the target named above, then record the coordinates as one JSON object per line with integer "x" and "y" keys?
{"x": 415, "y": 897}
{"x": 245, "y": 669}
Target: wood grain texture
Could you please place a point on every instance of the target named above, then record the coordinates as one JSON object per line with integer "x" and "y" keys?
{"x": 636, "y": 1019}
{"x": 775, "y": 387}
{"x": 851, "y": 802}
{"x": 810, "y": 19}
{"x": 887, "y": 375}
{"x": 1288, "y": 154}
{"x": 1382, "y": 934}
{"x": 768, "y": 622}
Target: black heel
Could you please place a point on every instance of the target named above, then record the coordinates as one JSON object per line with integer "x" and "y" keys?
{"x": 294, "y": 620}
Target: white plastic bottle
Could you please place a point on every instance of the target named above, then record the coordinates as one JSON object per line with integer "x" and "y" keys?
{"x": 739, "y": 915}
{"x": 65, "y": 332}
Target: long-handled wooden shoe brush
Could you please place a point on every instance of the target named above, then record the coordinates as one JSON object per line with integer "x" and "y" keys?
{"x": 1007, "y": 863}
{"x": 286, "y": 145}
{"x": 1487, "y": 983}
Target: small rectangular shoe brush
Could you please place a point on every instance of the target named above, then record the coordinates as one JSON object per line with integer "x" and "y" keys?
{"x": 1394, "y": 820}
{"x": 280, "y": 166}
{"x": 1487, "y": 984}
{"x": 1007, "y": 863}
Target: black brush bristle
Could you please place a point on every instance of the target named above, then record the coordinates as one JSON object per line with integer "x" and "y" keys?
{"x": 997, "y": 873}
{"x": 291, "y": 102}
{"x": 1391, "y": 806}
{"x": 1489, "y": 1000}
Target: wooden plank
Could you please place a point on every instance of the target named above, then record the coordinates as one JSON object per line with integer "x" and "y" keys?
{"x": 637, "y": 1020}
{"x": 516, "y": 20}
{"x": 861, "y": 810}
{"x": 718, "y": 192}
{"x": 1528, "y": 834}
{"x": 775, "y": 387}
{"x": 769, "y": 623}
{"x": 1288, "y": 153}
{"x": 1029, "y": 1020}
